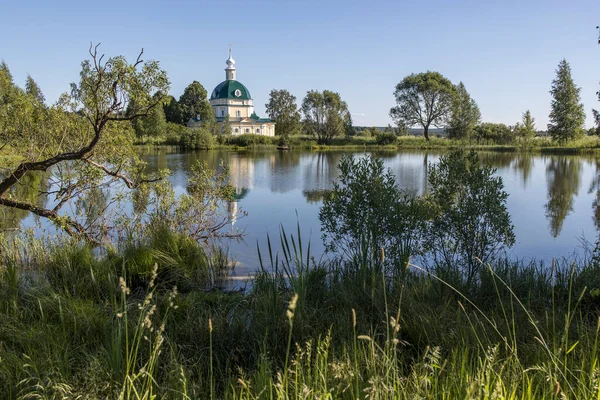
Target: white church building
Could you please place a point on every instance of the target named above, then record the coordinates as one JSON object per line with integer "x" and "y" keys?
{"x": 231, "y": 100}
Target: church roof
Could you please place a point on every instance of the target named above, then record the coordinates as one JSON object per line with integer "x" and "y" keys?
{"x": 259, "y": 119}
{"x": 231, "y": 89}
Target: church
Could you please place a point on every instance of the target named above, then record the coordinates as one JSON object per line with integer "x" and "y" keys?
{"x": 231, "y": 100}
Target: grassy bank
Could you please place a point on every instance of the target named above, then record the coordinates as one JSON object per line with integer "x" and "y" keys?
{"x": 76, "y": 323}
{"x": 588, "y": 144}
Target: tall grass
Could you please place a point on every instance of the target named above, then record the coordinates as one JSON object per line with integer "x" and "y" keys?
{"x": 77, "y": 324}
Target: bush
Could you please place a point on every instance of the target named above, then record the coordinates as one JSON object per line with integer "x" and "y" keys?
{"x": 251, "y": 140}
{"x": 496, "y": 133}
{"x": 174, "y": 133}
{"x": 471, "y": 223}
{"x": 385, "y": 138}
{"x": 197, "y": 139}
{"x": 366, "y": 212}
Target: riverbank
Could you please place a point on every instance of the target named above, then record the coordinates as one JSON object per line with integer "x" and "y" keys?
{"x": 79, "y": 324}
{"x": 538, "y": 145}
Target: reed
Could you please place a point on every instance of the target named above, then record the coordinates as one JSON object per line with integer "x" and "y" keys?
{"x": 81, "y": 324}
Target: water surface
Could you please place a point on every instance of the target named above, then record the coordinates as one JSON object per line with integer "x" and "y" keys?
{"x": 554, "y": 201}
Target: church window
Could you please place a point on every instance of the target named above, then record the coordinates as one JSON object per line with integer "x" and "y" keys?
{"x": 236, "y": 130}
{"x": 247, "y": 130}
{"x": 257, "y": 130}
{"x": 222, "y": 113}
{"x": 238, "y": 113}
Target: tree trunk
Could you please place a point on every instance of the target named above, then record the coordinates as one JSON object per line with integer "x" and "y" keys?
{"x": 426, "y": 132}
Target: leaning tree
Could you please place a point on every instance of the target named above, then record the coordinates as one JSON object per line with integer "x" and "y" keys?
{"x": 83, "y": 145}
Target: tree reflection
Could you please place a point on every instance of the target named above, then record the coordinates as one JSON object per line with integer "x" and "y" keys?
{"x": 563, "y": 177}
{"x": 315, "y": 196}
{"x": 595, "y": 186}
{"x": 31, "y": 188}
{"x": 524, "y": 164}
{"x": 321, "y": 170}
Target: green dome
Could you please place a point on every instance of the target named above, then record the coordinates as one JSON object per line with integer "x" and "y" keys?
{"x": 230, "y": 89}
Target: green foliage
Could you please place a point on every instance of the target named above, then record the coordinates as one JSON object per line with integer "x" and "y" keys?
{"x": 197, "y": 139}
{"x": 471, "y": 223}
{"x": 251, "y": 140}
{"x": 32, "y": 89}
{"x": 152, "y": 125}
{"x": 172, "y": 110}
{"x": 282, "y": 109}
{"x": 526, "y": 129}
{"x": 567, "y": 117}
{"x": 173, "y": 133}
{"x": 385, "y": 138}
{"x": 596, "y": 130}
{"x": 495, "y": 133}
{"x": 85, "y": 133}
{"x": 322, "y": 330}
{"x": 326, "y": 116}
{"x": 366, "y": 214}
{"x": 465, "y": 115}
{"x": 423, "y": 99}
{"x": 193, "y": 102}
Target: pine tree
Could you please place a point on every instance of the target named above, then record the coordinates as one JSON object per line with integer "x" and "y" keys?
{"x": 526, "y": 129}
{"x": 567, "y": 116}
{"x": 32, "y": 89}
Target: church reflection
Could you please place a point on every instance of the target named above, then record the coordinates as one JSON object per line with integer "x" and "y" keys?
{"x": 241, "y": 178}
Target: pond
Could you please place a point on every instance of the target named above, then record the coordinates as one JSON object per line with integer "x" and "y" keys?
{"x": 554, "y": 201}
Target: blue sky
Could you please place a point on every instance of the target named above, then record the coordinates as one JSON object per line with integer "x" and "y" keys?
{"x": 505, "y": 52}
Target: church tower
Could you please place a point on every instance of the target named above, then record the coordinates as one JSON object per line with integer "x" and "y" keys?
{"x": 230, "y": 70}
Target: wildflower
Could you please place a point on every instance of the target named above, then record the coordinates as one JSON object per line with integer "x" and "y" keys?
{"x": 123, "y": 286}
{"x": 154, "y": 275}
{"x": 292, "y": 307}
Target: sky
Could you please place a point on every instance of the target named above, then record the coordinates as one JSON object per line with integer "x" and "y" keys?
{"x": 505, "y": 52}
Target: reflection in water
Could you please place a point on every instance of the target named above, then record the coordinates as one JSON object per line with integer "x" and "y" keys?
{"x": 270, "y": 185}
{"x": 30, "y": 188}
{"x": 595, "y": 186}
{"x": 563, "y": 176}
{"x": 93, "y": 205}
{"x": 321, "y": 170}
{"x": 315, "y": 196}
{"x": 524, "y": 163}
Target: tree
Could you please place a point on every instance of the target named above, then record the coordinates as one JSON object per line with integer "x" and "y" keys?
{"x": 83, "y": 145}
{"x": 152, "y": 125}
{"x": 471, "y": 223}
{"x": 282, "y": 109}
{"x": 193, "y": 102}
{"x": 366, "y": 212}
{"x": 567, "y": 116}
{"x": 526, "y": 129}
{"x": 83, "y": 141}
{"x": 325, "y": 115}
{"x": 32, "y": 89}
{"x": 172, "y": 110}
{"x": 423, "y": 99}
{"x": 596, "y": 115}
{"x": 465, "y": 114}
